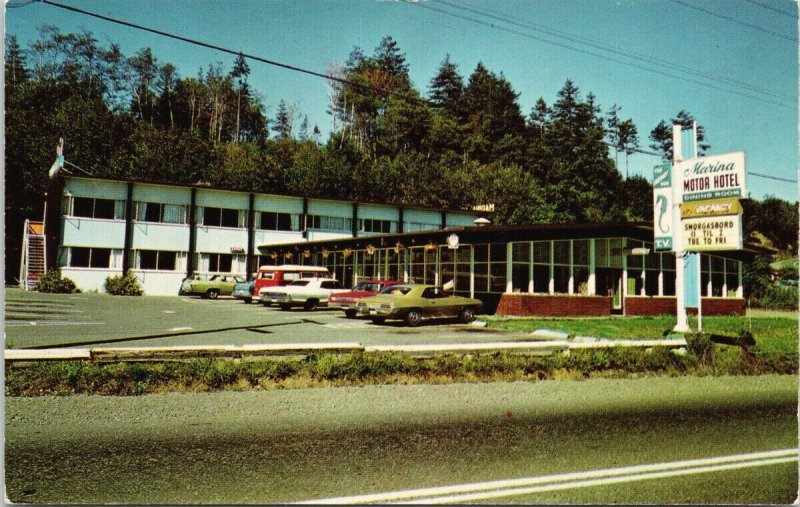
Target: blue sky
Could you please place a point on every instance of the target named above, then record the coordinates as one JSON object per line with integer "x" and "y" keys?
{"x": 746, "y": 50}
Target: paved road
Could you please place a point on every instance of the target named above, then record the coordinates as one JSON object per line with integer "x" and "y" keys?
{"x": 89, "y": 320}
{"x": 295, "y": 445}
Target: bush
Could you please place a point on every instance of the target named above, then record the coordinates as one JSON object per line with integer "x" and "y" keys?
{"x": 777, "y": 297}
{"x": 701, "y": 346}
{"x": 127, "y": 285}
{"x": 52, "y": 282}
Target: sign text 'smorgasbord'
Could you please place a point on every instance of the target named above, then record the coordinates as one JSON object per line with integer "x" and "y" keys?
{"x": 707, "y": 233}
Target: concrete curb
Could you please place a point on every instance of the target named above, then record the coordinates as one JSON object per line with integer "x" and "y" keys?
{"x": 288, "y": 349}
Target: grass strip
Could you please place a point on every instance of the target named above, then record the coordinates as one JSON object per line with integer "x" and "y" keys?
{"x": 325, "y": 369}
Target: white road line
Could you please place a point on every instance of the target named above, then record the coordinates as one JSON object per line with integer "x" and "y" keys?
{"x": 527, "y": 485}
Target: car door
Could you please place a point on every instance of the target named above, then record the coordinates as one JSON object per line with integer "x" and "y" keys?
{"x": 429, "y": 297}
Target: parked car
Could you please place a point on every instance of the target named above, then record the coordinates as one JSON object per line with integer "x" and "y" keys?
{"x": 364, "y": 288}
{"x": 244, "y": 291}
{"x": 414, "y": 302}
{"x": 272, "y": 276}
{"x": 309, "y": 293}
{"x": 209, "y": 286}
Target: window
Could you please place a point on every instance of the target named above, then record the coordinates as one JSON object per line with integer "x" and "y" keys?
{"x": 272, "y": 221}
{"x": 223, "y": 217}
{"x": 331, "y": 284}
{"x": 160, "y": 213}
{"x": 327, "y": 223}
{"x": 90, "y": 207}
{"x": 89, "y": 257}
{"x": 157, "y": 260}
{"x": 433, "y": 293}
{"x": 375, "y": 225}
{"x": 220, "y": 263}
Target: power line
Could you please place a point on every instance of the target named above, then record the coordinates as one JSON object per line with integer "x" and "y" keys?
{"x": 734, "y": 20}
{"x": 597, "y": 55}
{"x": 616, "y": 50}
{"x": 761, "y": 4}
{"x": 767, "y": 176}
{"x": 236, "y": 53}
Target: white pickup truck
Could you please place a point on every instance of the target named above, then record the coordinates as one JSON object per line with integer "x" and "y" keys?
{"x": 308, "y": 293}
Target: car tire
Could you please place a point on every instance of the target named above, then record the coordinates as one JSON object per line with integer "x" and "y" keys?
{"x": 378, "y": 320}
{"x": 310, "y": 304}
{"x": 350, "y": 314}
{"x": 248, "y": 300}
{"x": 212, "y": 293}
{"x": 414, "y": 317}
{"x": 285, "y": 306}
{"x": 467, "y": 315}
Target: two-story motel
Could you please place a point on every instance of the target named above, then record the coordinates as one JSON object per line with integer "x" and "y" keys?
{"x": 162, "y": 233}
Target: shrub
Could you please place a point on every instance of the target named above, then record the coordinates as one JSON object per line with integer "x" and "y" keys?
{"x": 777, "y": 297}
{"x": 127, "y": 285}
{"x": 700, "y": 345}
{"x": 52, "y": 282}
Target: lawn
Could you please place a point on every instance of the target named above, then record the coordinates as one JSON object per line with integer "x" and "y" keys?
{"x": 776, "y": 333}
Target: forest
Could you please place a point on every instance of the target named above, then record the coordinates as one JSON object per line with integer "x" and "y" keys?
{"x": 463, "y": 141}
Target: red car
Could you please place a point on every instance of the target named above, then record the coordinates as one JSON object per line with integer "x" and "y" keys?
{"x": 364, "y": 288}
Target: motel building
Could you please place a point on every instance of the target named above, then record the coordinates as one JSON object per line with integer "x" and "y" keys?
{"x": 97, "y": 227}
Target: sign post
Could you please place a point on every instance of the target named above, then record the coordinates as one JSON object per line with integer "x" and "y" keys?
{"x": 696, "y": 209}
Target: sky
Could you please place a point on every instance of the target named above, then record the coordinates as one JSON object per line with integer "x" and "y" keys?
{"x": 733, "y": 64}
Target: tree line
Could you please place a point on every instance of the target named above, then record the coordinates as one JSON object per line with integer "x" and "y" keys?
{"x": 465, "y": 141}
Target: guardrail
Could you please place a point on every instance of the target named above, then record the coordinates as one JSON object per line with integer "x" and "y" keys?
{"x": 290, "y": 349}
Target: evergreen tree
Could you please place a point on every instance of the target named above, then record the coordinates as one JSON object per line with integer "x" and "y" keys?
{"x": 447, "y": 89}
{"x": 16, "y": 71}
{"x": 240, "y": 72}
{"x": 661, "y": 135}
{"x": 388, "y": 57}
{"x": 284, "y": 118}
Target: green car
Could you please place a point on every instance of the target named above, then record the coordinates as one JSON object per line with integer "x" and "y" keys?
{"x": 414, "y": 302}
{"x": 209, "y": 286}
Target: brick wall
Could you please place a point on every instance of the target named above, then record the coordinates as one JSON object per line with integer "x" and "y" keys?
{"x": 645, "y": 306}
{"x": 544, "y": 305}
{"x": 723, "y": 306}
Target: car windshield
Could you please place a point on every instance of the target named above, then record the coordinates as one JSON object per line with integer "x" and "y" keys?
{"x": 300, "y": 283}
{"x": 397, "y": 290}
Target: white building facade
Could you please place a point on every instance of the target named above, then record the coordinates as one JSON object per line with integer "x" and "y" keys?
{"x": 98, "y": 228}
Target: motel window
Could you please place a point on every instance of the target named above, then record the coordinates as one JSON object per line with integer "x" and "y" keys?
{"x": 375, "y": 225}
{"x": 541, "y": 267}
{"x": 159, "y": 260}
{"x": 498, "y": 254}
{"x": 731, "y": 277}
{"x": 160, "y": 213}
{"x": 89, "y": 257}
{"x": 562, "y": 257}
{"x": 521, "y": 266}
{"x": 421, "y": 226}
{"x": 580, "y": 266}
{"x": 220, "y": 263}
{"x": 90, "y": 207}
{"x": 326, "y": 223}
{"x": 223, "y": 217}
{"x": 273, "y": 221}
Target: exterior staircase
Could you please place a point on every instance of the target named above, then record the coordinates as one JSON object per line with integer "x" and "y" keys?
{"x": 32, "y": 266}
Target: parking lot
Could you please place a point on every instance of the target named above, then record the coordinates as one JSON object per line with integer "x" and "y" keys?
{"x": 94, "y": 320}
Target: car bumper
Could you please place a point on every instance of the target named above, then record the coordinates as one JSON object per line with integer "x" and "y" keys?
{"x": 242, "y": 294}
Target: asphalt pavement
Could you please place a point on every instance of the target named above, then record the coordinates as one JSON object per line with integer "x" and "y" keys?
{"x": 94, "y": 320}
{"x": 325, "y": 444}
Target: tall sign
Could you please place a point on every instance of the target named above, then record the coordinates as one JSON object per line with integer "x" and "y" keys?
{"x": 714, "y": 177}
{"x": 662, "y": 208}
